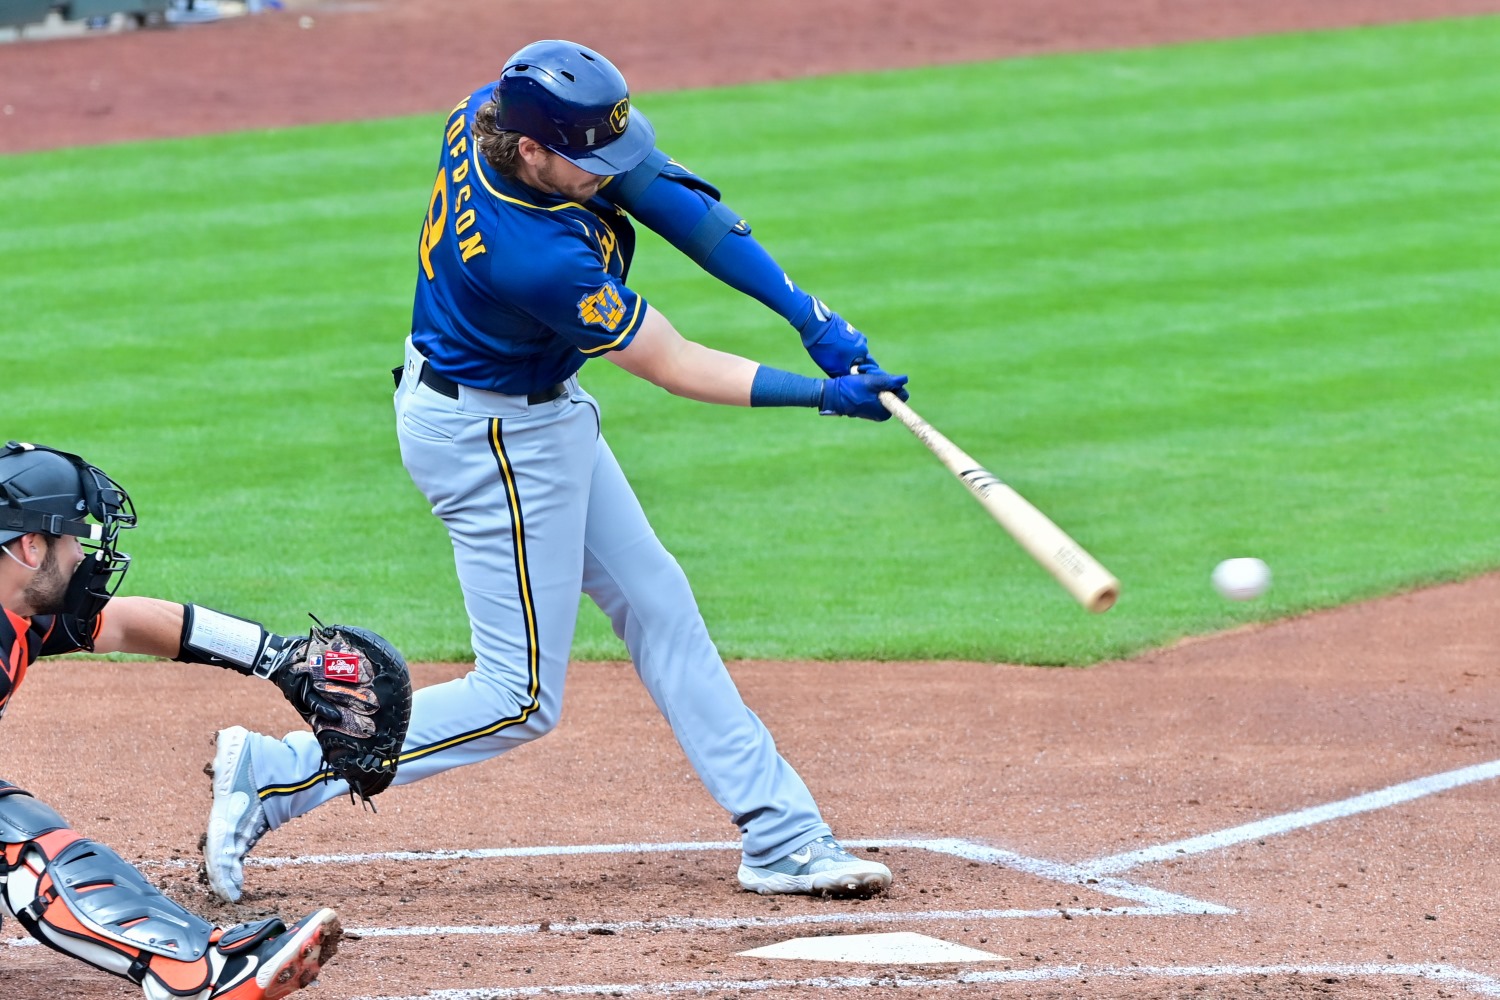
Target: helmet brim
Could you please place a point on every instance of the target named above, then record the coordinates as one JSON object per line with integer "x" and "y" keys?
{"x": 625, "y": 153}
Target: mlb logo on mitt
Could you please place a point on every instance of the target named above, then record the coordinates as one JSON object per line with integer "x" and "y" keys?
{"x": 340, "y": 665}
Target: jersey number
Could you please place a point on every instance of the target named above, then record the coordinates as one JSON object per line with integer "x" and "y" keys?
{"x": 437, "y": 212}
{"x": 432, "y": 226}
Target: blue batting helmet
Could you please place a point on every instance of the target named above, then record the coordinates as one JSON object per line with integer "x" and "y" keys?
{"x": 572, "y": 100}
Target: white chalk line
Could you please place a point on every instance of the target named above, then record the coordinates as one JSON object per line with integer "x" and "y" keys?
{"x": 736, "y": 923}
{"x": 1472, "y": 981}
{"x": 1081, "y": 873}
{"x": 489, "y": 853}
{"x": 1287, "y": 822}
{"x": 1159, "y": 903}
{"x": 1157, "y": 900}
{"x": 749, "y": 923}
{"x": 1056, "y": 871}
{"x": 482, "y": 854}
{"x": 1091, "y": 874}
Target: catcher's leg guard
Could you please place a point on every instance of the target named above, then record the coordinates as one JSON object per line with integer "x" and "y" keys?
{"x": 80, "y": 898}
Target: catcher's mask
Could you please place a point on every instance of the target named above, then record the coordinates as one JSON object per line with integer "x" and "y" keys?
{"x": 572, "y": 100}
{"x": 55, "y": 493}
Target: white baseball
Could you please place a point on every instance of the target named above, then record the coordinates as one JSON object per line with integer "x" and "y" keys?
{"x": 1241, "y": 579}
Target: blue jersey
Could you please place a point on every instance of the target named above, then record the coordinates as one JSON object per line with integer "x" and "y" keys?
{"x": 515, "y": 288}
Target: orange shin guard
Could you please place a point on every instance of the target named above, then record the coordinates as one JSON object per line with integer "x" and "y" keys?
{"x": 80, "y": 898}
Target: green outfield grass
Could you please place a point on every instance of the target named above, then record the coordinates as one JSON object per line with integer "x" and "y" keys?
{"x": 1237, "y": 298}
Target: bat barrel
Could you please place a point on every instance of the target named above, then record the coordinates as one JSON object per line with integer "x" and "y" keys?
{"x": 1103, "y": 598}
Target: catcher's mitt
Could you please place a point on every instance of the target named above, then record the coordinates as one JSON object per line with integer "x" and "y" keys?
{"x": 352, "y": 687}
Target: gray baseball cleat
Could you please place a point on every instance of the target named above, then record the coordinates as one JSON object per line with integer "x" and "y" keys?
{"x": 237, "y": 820}
{"x": 820, "y": 868}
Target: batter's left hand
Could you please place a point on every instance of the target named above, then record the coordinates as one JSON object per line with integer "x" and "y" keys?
{"x": 834, "y": 344}
{"x": 859, "y": 395}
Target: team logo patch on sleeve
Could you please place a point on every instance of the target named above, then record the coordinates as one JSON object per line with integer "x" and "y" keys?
{"x": 602, "y": 308}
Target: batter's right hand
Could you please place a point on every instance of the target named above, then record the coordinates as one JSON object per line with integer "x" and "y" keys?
{"x": 832, "y": 341}
{"x": 859, "y": 395}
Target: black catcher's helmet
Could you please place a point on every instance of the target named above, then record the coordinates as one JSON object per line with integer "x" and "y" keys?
{"x": 56, "y": 493}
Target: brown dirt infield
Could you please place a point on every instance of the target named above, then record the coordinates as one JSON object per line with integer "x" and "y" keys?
{"x": 1062, "y": 767}
{"x": 373, "y": 58}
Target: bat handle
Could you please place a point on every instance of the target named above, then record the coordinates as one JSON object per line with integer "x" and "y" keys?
{"x": 904, "y": 413}
{"x": 892, "y": 402}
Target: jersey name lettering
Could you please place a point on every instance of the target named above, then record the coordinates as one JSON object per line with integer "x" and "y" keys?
{"x": 438, "y": 208}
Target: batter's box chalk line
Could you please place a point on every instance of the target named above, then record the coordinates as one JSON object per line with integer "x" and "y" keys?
{"x": 1099, "y": 875}
{"x": 1473, "y": 982}
{"x": 1152, "y": 902}
{"x": 1384, "y": 798}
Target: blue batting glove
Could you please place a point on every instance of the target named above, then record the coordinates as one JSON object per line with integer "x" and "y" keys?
{"x": 859, "y": 395}
{"x": 833, "y": 343}
{"x": 869, "y": 366}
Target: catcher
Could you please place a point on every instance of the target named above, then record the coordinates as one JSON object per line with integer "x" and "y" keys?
{"x": 60, "y": 519}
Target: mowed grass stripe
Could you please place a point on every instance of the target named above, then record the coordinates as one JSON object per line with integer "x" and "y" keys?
{"x": 1201, "y": 301}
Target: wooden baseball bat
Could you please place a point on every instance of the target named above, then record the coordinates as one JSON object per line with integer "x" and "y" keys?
{"x": 1091, "y": 584}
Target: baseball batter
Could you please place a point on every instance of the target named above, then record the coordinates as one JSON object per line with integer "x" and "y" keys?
{"x": 522, "y": 265}
{"x": 71, "y": 893}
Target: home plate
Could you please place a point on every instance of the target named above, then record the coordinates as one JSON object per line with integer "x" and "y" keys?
{"x": 902, "y": 948}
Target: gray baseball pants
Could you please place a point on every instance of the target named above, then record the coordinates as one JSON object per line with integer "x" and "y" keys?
{"x": 539, "y": 511}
